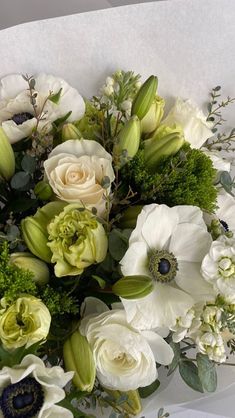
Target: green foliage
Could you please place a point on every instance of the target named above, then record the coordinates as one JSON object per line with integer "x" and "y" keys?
{"x": 189, "y": 373}
{"x": 59, "y": 302}
{"x": 146, "y": 391}
{"x": 184, "y": 179}
{"x": 207, "y": 372}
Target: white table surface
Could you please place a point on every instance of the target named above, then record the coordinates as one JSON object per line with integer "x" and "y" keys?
{"x": 13, "y": 12}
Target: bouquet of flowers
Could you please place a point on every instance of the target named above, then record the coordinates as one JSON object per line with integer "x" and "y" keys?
{"x": 117, "y": 254}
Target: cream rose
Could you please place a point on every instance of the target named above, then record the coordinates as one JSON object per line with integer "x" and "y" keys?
{"x": 75, "y": 170}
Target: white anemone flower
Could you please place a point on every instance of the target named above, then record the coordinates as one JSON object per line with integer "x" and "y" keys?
{"x": 17, "y": 115}
{"x": 168, "y": 245}
{"x": 219, "y": 163}
{"x": 32, "y": 390}
{"x": 218, "y": 267}
{"x": 225, "y": 211}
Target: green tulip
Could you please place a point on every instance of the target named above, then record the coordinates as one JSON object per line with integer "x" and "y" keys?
{"x": 7, "y": 157}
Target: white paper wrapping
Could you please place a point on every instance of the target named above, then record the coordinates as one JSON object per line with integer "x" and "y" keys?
{"x": 189, "y": 44}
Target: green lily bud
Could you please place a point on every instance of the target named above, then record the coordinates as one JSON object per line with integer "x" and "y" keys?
{"x": 129, "y": 217}
{"x": 7, "y": 157}
{"x": 69, "y": 131}
{"x": 128, "y": 140}
{"x": 144, "y": 98}
{"x": 166, "y": 141}
{"x": 133, "y": 287}
{"x": 78, "y": 357}
{"x": 43, "y": 190}
{"x": 132, "y": 405}
{"x": 34, "y": 230}
{"x": 153, "y": 117}
{"x": 27, "y": 261}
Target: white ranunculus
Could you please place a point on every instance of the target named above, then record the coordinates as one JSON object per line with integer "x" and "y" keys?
{"x": 218, "y": 267}
{"x": 32, "y": 379}
{"x": 17, "y": 115}
{"x": 125, "y": 358}
{"x": 193, "y": 121}
{"x": 75, "y": 170}
{"x": 219, "y": 163}
{"x": 175, "y": 236}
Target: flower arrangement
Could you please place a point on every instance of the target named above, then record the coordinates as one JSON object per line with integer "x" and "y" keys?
{"x": 117, "y": 254}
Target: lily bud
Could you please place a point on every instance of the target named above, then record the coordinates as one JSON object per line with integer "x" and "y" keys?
{"x": 129, "y": 217}
{"x": 27, "y": 261}
{"x": 69, "y": 131}
{"x": 144, "y": 98}
{"x": 128, "y": 140}
{"x": 78, "y": 357}
{"x": 43, "y": 190}
{"x": 133, "y": 403}
{"x": 34, "y": 229}
{"x": 133, "y": 287}
{"x": 165, "y": 142}
{"x": 7, "y": 158}
{"x": 153, "y": 117}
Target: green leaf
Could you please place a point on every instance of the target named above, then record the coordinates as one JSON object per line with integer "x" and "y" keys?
{"x": 118, "y": 243}
{"x": 100, "y": 281}
{"x": 207, "y": 372}
{"x": 226, "y": 181}
{"x": 28, "y": 164}
{"x": 146, "y": 391}
{"x": 61, "y": 120}
{"x": 177, "y": 353}
{"x": 189, "y": 373}
{"x": 55, "y": 97}
{"x": 21, "y": 205}
{"x": 20, "y": 180}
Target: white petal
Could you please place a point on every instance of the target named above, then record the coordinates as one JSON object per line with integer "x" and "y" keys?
{"x": 11, "y": 86}
{"x": 135, "y": 260}
{"x": 226, "y": 211}
{"x": 55, "y": 411}
{"x": 190, "y": 214}
{"x": 92, "y": 305}
{"x": 162, "y": 351}
{"x": 190, "y": 280}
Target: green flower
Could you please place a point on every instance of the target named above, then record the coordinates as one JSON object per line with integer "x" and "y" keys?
{"x": 76, "y": 240}
{"x": 25, "y": 322}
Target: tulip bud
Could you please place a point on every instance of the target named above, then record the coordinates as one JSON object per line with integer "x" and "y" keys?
{"x": 153, "y": 117}
{"x": 43, "y": 190}
{"x": 144, "y": 98}
{"x": 27, "y": 262}
{"x": 129, "y": 217}
{"x": 69, "y": 131}
{"x": 78, "y": 357}
{"x": 7, "y": 158}
{"x": 128, "y": 140}
{"x": 133, "y": 287}
{"x": 133, "y": 403}
{"x": 165, "y": 142}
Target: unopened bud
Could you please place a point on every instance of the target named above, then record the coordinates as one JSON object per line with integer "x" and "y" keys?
{"x": 43, "y": 190}
{"x": 27, "y": 261}
{"x": 7, "y": 158}
{"x": 133, "y": 287}
{"x": 128, "y": 141}
{"x": 153, "y": 117}
{"x": 144, "y": 98}
{"x": 70, "y": 131}
{"x": 133, "y": 403}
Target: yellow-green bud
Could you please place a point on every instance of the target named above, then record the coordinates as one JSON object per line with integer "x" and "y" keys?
{"x": 128, "y": 140}
{"x": 133, "y": 287}
{"x": 7, "y": 158}
{"x": 132, "y": 405}
{"x": 27, "y": 261}
{"x": 153, "y": 117}
{"x": 78, "y": 357}
{"x": 69, "y": 131}
{"x": 34, "y": 230}
{"x": 43, "y": 190}
{"x": 129, "y": 217}
{"x": 165, "y": 142}
{"x": 144, "y": 98}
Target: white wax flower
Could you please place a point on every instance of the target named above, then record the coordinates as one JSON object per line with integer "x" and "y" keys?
{"x": 218, "y": 267}
{"x": 193, "y": 121}
{"x": 125, "y": 358}
{"x": 31, "y": 380}
{"x": 168, "y": 244}
{"x": 17, "y": 115}
{"x": 75, "y": 170}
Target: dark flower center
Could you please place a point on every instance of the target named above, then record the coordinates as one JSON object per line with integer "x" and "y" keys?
{"x": 162, "y": 266}
{"x": 23, "y": 399}
{"x": 224, "y": 225}
{"x": 20, "y": 118}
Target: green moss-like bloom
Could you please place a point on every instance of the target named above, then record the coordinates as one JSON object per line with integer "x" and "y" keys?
{"x": 76, "y": 240}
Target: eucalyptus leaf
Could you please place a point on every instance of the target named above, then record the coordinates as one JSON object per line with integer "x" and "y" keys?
{"x": 207, "y": 373}
{"x": 146, "y": 391}
{"x": 118, "y": 243}
{"x": 226, "y": 181}
{"x": 177, "y": 353}
{"x": 189, "y": 373}
{"x": 28, "y": 164}
{"x": 20, "y": 180}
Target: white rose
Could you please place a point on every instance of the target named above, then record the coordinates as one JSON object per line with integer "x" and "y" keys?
{"x": 193, "y": 121}
{"x": 125, "y": 358}
{"x": 17, "y": 115}
{"x": 75, "y": 170}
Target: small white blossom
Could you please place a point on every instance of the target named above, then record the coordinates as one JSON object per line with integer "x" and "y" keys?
{"x": 212, "y": 344}
{"x": 109, "y": 81}
{"x": 126, "y": 105}
{"x": 186, "y": 326}
{"x": 108, "y": 90}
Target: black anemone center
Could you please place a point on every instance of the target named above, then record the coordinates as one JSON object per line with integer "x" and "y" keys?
{"x": 162, "y": 265}
{"x": 23, "y": 399}
{"x": 20, "y": 118}
{"x": 224, "y": 225}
